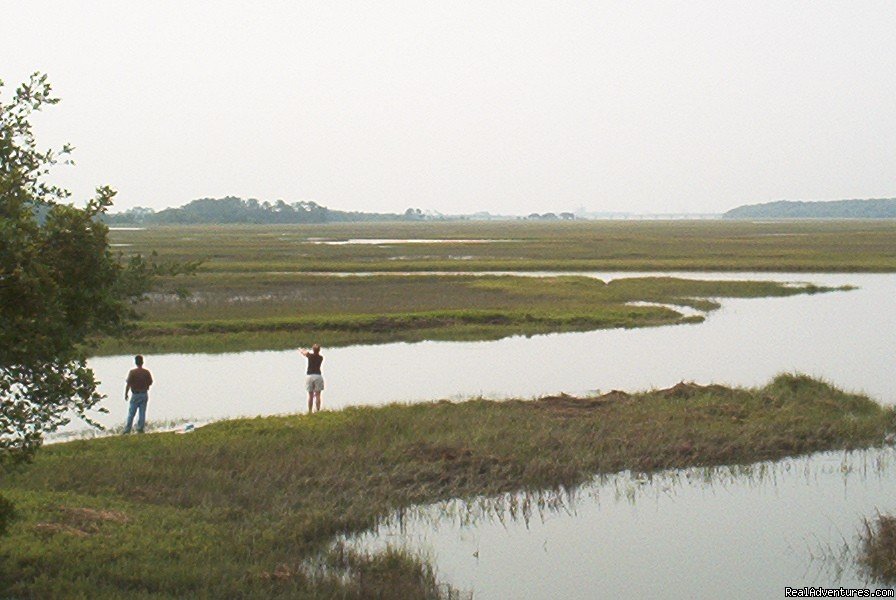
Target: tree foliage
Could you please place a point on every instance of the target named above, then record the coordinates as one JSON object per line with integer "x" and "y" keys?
{"x": 877, "y": 208}
{"x": 237, "y": 210}
{"x": 59, "y": 284}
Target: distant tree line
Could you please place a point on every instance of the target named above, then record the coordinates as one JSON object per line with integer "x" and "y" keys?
{"x": 884, "y": 208}
{"x": 238, "y": 210}
{"x": 549, "y": 216}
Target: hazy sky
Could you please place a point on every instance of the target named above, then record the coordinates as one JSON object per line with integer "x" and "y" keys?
{"x": 510, "y": 107}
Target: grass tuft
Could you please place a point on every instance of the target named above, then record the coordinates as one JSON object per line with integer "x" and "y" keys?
{"x": 879, "y": 548}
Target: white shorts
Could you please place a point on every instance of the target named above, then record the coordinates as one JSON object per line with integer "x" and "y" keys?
{"x": 314, "y": 383}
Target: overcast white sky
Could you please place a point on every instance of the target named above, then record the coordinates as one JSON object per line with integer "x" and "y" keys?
{"x": 510, "y": 107}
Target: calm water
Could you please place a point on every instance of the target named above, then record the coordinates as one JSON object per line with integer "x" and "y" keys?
{"x": 396, "y": 242}
{"x": 844, "y": 337}
{"x": 730, "y": 532}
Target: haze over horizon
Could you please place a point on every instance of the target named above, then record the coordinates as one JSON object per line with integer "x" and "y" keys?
{"x": 461, "y": 107}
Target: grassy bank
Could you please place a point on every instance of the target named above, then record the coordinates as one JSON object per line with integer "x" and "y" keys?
{"x": 235, "y": 508}
{"x": 274, "y": 311}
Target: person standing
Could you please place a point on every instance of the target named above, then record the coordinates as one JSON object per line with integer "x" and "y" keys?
{"x": 138, "y": 382}
{"x": 314, "y": 381}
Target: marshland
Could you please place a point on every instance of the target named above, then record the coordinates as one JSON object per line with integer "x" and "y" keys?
{"x": 261, "y": 287}
{"x": 636, "y": 245}
{"x": 481, "y": 384}
{"x": 251, "y": 508}
{"x": 604, "y": 293}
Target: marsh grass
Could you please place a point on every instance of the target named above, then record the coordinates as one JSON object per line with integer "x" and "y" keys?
{"x": 571, "y": 246}
{"x": 238, "y": 508}
{"x": 253, "y": 290}
{"x": 878, "y": 553}
{"x": 245, "y": 311}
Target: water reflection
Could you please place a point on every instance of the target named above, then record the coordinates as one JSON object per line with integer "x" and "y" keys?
{"x": 845, "y": 337}
{"x": 732, "y": 531}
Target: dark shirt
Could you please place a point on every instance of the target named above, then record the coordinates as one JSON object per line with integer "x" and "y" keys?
{"x": 139, "y": 379}
{"x": 314, "y": 361}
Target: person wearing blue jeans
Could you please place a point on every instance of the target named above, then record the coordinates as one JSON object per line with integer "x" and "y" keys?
{"x": 138, "y": 382}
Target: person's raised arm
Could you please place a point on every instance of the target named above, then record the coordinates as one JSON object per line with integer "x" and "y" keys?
{"x": 303, "y": 352}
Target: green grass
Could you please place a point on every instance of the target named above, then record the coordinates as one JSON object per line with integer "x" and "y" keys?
{"x": 253, "y": 312}
{"x": 235, "y": 509}
{"x": 571, "y": 246}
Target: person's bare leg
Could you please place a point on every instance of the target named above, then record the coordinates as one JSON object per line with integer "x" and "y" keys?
{"x": 310, "y": 401}
{"x": 317, "y": 398}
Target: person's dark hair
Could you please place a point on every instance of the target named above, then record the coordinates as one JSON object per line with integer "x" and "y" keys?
{"x": 138, "y": 360}
{"x": 316, "y": 348}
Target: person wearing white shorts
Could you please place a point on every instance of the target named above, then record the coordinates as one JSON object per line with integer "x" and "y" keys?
{"x": 314, "y": 381}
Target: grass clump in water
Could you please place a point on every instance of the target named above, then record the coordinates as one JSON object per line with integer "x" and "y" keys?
{"x": 879, "y": 548}
{"x": 240, "y": 508}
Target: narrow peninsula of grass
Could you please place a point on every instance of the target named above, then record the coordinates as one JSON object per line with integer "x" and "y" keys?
{"x": 238, "y": 509}
{"x": 275, "y": 311}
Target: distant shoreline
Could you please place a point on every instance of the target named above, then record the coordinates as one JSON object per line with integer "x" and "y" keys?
{"x": 877, "y": 208}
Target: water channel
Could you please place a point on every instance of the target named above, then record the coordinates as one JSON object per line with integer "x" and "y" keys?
{"x": 727, "y": 532}
{"x": 845, "y": 337}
